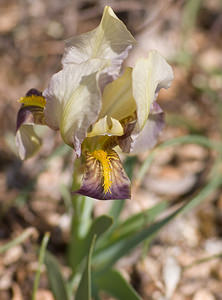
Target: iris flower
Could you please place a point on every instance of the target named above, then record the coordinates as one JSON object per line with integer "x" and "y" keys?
{"x": 96, "y": 106}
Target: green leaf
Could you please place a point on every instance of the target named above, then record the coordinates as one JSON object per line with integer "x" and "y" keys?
{"x": 116, "y": 209}
{"x": 83, "y": 210}
{"x": 129, "y": 165}
{"x": 190, "y": 13}
{"x": 18, "y": 240}
{"x": 114, "y": 284}
{"x": 131, "y": 225}
{"x": 40, "y": 262}
{"x": 95, "y": 290}
{"x": 81, "y": 246}
{"x": 66, "y": 196}
{"x": 98, "y": 227}
{"x": 84, "y": 289}
{"x": 55, "y": 277}
{"x": 140, "y": 220}
{"x": 108, "y": 256}
{"x": 81, "y": 222}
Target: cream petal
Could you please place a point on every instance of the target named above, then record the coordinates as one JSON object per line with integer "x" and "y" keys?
{"x": 30, "y": 113}
{"x": 106, "y": 126}
{"x": 27, "y": 141}
{"x": 118, "y": 100}
{"x": 110, "y": 40}
{"x": 148, "y": 77}
{"x": 74, "y": 101}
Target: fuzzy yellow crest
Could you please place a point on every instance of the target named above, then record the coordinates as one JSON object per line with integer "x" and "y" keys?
{"x": 33, "y": 100}
{"x": 103, "y": 158}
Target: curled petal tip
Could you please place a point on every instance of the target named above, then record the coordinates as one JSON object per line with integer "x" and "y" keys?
{"x": 30, "y": 113}
{"x": 148, "y": 77}
{"x": 110, "y": 40}
{"x": 27, "y": 141}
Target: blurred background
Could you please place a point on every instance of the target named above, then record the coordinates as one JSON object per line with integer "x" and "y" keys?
{"x": 34, "y": 195}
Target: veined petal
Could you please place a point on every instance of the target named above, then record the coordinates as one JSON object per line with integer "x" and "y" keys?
{"x": 106, "y": 126}
{"x": 27, "y": 141}
{"x": 110, "y": 40}
{"x": 31, "y": 112}
{"x": 104, "y": 177}
{"x": 147, "y": 138}
{"x": 74, "y": 101}
{"x": 149, "y": 76}
{"x": 118, "y": 99}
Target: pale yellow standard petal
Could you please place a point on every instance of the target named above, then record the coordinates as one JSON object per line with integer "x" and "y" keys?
{"x": 118, "y": 99}
{"x": 111, "y": 36}
{"x": 149, "y": 76}
{"x": 106, "y": 126}
{"x": 27, "y": 141}
{"x": 110, "y": 40}
{"x": 74, "y": 101}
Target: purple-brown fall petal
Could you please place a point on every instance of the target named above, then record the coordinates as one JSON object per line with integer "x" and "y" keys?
{"x": 104, "y": 179}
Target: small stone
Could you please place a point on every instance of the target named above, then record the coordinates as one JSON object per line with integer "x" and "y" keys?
{"x": 13, "y": 255}
{"x": 211, "y": 59}
{"x": 9, "y": 18}
{"x": 55, "y": 30}
{"x": 213, "y": 246}
{"x": 6, "y": 280}
{"x": 191, "y": 151}
{"x": 171, "y": 275}
{"x": 203, "y": 295}
{"x": 17, "y": 293}
{"x": 44, "y": 295}
{"x": 171, "y": 182}
{"x": 188, "y": 288}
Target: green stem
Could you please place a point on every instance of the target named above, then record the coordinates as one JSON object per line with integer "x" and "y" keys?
{"x": 20, "y": 239}
{"x": 188, "y": 139}
{"x": 40, "y": 263}
{"x": 203, "y": 260}
{"x": 81, "y": 221}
